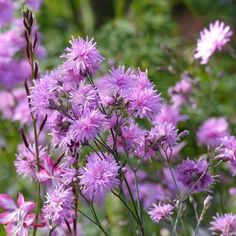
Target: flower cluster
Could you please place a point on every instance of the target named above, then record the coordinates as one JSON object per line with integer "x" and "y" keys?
{"x": 109, "y": 135}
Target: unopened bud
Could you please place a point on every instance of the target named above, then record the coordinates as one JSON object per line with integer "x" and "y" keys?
{"x": 184, "y": 133}
{"x": 207, "y": 202}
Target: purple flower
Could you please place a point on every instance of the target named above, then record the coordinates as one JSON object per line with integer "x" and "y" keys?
{"x": 232, "y": 191}
{"x": 43, "y": 94}
{"x": 163, "y": 135}
{"x": 142, "y": 81}
{"x": 160, "y": 212}
{"x": 99, "y": 175}
{"x": 211, "y": 131}
{"x": 17, "y": 217}
{"x": 181, "y": 93}
{"x": 84, "y": 98}
{"x": 82, "y": 57}
{"x": 87, "y": 127}
{"x": 227, "y": 148}
{"x": 12, "y": 73}
{"x": 150, "y": 192}
{"x": 212, "y": 40}
{"x": 131, "y": 136}
{"x": 25, "y": 162}
{"x": 194, "y": 175}
{"x": 224, "y": 225}
{"x": 169, "y": 114}
{"x": 120, "y": 79}
{"x": 144, "y": 103}
{"x": 6, "y": 12}
{"x": 58, "y": 206}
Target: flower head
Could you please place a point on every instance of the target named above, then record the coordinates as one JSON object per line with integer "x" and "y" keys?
{"x": 181, "y": 93}
{"x": 99, "y": 175}
{"x": 224, "y": 225}
{"x": 160, "y": 212}
{"x": 84, "y": 98}
{"x": 144, "y": 103}
{"x": 163, "y": 135}
{"x": 211, "y": 40}
{"x": 87, "y": 127}
{"x": 194, "y": 175}
{"x": 58, "y": 206}
{"x": 120, "y": 79}
{"x": 211, "y": 131}
{"x": 227, "y": 148}
{"x": 25, "y": 162}
{"x": 82, "y": 57}
{"x": 43, "y": 93}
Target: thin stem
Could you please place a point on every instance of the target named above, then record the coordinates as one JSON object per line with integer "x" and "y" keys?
{"x": 137, "y": 196}
{"x": 82, "y": 213}
{"x": 176, "y": 221}
{"x": 126, "y": 205}
{"x": 97, "y": 220}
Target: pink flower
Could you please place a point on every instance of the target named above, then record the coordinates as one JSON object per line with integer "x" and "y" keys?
{"x": 224, "y": 225}
{"x": 17, "y": 217}
{"x": 43, "y": 93}
{"x": 160, "y": 212}
{"x": 120, "y": 79}
{"x": 182, "y": 92}
{"x": 99, "y": 175}
{"x": 87, "y": 127}
{"x": 164, "y": 135}
{"x": 211, "y": 40}
{"x": 82, "y": 57}
{"x": 49, "y": 173}
{"x": 211, "y": 131}
{"x": 170, "y": 114}
{"x": 144, "y": 103}
{"x": 85, "y": 97}
{"x": 58, "y": 206}
{"x": 25, "y": 162}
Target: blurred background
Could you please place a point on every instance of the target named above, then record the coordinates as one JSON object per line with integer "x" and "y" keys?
{"x": 159, "y": 35}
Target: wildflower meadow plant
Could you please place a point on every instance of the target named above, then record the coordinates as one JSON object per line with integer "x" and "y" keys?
{"x": 96, "y": 136}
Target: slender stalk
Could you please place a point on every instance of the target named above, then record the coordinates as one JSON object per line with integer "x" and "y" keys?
{"x": 137, "y": 196}
{"x": 135, "y": 207}
{"x": 126, "y": 205}
{"x": 30, "y": 47}
{"x": 176, "y": 221}
{"x": 129, "y": 213}
{"x": 97, "y": 220}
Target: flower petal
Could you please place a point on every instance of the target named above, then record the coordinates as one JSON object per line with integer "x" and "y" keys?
{"x": 6, "y": 217}
{"x": 43, "y": 175}
{"x": 27, "y": 207}
{"x": 20, "y": 200}
{"x": 29, "y": 219}
{"x": 6, "y": 202}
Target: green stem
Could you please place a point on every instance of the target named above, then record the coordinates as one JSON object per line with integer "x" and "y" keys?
{"x": 137, "y": 196}
{"x": 97, "y": 220}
